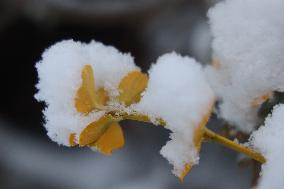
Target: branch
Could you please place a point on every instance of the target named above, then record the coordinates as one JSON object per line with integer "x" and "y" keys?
{"x": 208, "y": 134}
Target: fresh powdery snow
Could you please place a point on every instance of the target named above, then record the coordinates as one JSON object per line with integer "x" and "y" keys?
{"x": 269, "y": 140}
{"x": 248, "y": 56}
{"x": 177, "y": 92}
{"x": 59, "y": 74}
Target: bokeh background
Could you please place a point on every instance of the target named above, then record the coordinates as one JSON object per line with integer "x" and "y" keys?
{"x": 146, "y": 29}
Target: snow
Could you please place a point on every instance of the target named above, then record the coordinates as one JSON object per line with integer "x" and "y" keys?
{"x": 248, "y": 46}
{"x": 269, "y": 140}
{"x": 59, "y": 74}
{"x": 177, "y": 92}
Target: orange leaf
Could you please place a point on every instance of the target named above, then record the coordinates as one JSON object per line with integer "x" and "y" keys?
{"x": 72, "y": 139}
{"x": 95, "y": 130}
{"x": 87, "y": 98}
{"x": 131, "y": 87}
{"x": 111, "y": 140}
{"x": 197, "y": 141}
{"x": 102, "y": 96}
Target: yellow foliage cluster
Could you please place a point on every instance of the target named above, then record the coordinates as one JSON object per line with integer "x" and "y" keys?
{"x": 105, "y": 134}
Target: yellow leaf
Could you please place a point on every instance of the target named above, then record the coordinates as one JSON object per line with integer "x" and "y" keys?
{"x": 102, "y": 96}
{"x": 72, "y": 139}
{"x": 131, "y": 87}
{"x": 111, "y": 140}
{"x": 87, "y": 98}
{"x": 197, "y": 141}
{"x": 186, "y": 169}
{"x": 95, "y": 130}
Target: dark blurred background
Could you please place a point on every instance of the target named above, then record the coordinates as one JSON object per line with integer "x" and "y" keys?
{"x": 146, "y": 29}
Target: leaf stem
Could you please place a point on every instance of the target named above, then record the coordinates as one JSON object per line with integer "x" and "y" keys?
{"x": 208, "y": 134}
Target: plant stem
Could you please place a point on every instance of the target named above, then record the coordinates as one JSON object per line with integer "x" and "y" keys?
{"x": 208, "y": 134}
{"x": 142, "y": 118}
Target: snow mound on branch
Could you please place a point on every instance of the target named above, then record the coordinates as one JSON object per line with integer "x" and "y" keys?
{"x": 248, "y": 46}
{"x": 59, "y": 74}
{"x": 269, "y": 140}
{"x": 179, "y": 93}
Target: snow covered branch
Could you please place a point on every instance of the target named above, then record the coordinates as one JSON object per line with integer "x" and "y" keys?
{"x": 88, "y": 88}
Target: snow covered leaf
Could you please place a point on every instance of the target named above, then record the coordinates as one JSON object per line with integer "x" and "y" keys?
{"x": 178, "y": 92}
{"x": 247, "y": 57}
{"x": 131, "y": 87}
{"x": 95, "y": 130}
{"x": 111, "y": 140}
{"x": 87, "y": 98}
{"x": 72, "y": 97}
{"x": 104, "y": 134}
{"x": 197, "y": 141}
